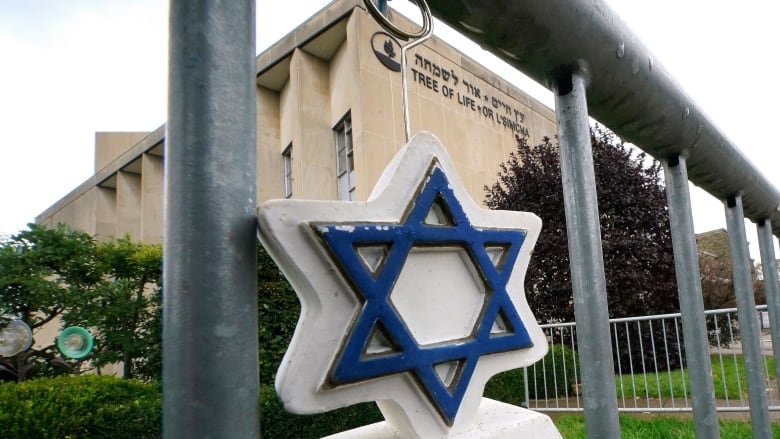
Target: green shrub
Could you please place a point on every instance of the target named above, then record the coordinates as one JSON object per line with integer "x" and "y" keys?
{"x": 277, "y": 423}
{"x": 93, "y": 407}
{"x": 277, "y": 313}
{"x": 550, "y": 372}
{"x": 509, "y": 386}
{"x": 72, "y": 407}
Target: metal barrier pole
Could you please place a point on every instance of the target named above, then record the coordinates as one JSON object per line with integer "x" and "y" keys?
{"x": 748, "y": 323}
{"x": 587, "y": 262}
{"x": 686, "y": 264}
{"x": 210, "y": 366}
{"x": 766, "y": 243}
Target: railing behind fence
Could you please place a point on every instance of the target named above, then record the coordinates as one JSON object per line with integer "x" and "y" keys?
{"x": 649, "y": 363}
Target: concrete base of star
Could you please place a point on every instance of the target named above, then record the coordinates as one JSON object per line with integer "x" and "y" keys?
{"x": 495, "y": 420}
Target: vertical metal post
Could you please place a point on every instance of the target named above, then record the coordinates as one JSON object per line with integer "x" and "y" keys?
{"x": 527, "y": 402}
{"x": 686, "y": 263}
{"x": 766, "y": 243}
{"x": 587, "y": 262}
{"x": 210, "y": 366}
{"x": 748, "y": 323}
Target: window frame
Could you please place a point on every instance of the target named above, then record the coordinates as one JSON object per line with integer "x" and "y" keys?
{"x": 345, "y": 158}
{"x": 287, "y": 167}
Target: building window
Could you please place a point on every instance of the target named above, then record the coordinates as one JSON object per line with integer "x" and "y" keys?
{"x": 288, "y": 171}
{"x": 345, "y": 159}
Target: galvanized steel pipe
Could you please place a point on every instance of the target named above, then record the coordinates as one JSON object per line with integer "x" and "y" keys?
{"x": 210, "y": 366}
{"x": 769, "y": 270}
{"x": 748, "y": 321}
{"x": 629, "y": 91}
{"x": 588, "y": 280}
{"x": 686, "y": 263}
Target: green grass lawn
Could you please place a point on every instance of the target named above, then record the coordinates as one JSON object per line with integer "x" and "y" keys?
{"x": 573, "y": 427}
{"x": 665, "y": 384}
{"x": 724, "y": 380}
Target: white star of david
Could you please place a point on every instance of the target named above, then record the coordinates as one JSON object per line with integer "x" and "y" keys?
{"x": 362, "y": 335}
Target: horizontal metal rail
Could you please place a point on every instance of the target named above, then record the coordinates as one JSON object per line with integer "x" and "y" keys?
{"x": 772, "y": 408}
{"x": 653, "y": 317}
{"x": 629, "y": 91}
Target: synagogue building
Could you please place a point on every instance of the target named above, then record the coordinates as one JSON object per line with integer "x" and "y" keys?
{"x": 329, "y": 119}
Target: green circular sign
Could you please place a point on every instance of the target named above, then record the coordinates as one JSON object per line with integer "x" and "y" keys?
{"x": 75, "y": 342}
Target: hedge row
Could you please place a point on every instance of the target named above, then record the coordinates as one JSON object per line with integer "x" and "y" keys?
{"x": 93, "y": 407}
{"x": 74, "y": 407}
{"x": 88, "y": 406}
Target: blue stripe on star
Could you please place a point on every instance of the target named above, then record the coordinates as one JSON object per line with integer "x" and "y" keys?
{"x": 378, "y": 316}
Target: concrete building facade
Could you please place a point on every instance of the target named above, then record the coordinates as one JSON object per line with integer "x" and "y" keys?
{"x": 329, "y": 120}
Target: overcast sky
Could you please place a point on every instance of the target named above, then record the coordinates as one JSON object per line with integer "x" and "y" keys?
{"x": 70, "y": 68}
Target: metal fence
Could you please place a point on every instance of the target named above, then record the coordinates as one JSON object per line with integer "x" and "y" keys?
{"x": 650, "y": 367}
{"x": 595, "y": 65}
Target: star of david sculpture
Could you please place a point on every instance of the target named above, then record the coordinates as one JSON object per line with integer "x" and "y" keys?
{"x": 412, "y": 299}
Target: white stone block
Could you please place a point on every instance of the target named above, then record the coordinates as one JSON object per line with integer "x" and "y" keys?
{"x": 495, "y": 420}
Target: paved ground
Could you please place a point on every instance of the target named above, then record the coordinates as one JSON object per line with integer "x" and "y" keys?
{"x": 667, "y": 403}
{"x": 736, "y": 347}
